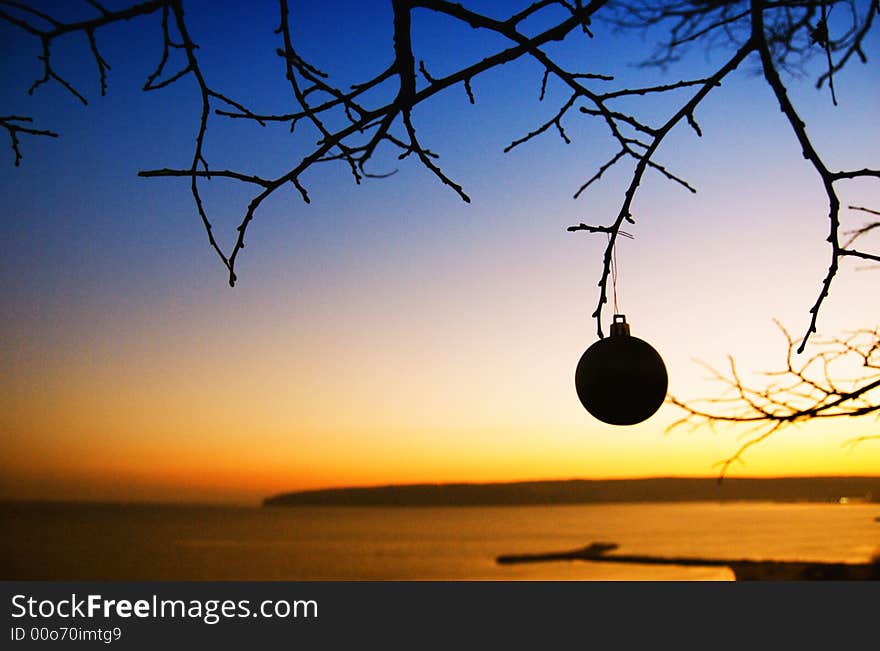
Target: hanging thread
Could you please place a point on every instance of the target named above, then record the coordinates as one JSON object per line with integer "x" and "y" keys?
{"x": 614, "y": 274}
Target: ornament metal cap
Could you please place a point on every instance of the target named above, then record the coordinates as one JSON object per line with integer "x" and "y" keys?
{"x": 619, "y": 326}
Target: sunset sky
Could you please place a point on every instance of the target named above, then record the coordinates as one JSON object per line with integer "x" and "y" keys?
{"x": 389, "y": 332}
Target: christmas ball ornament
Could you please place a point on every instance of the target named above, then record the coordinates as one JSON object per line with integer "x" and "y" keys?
{"x": 621, "y": 380}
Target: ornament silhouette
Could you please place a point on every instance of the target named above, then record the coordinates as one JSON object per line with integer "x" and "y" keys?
{"x": 621, "y": 380}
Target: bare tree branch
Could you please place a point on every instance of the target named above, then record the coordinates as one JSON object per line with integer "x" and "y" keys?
{"x": 785, "y": 35}
{"x": 13, "y": 125}
{"x": 803, "y": 390}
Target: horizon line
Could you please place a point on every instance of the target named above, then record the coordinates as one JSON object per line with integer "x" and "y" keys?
{"x": 9, "y": 499}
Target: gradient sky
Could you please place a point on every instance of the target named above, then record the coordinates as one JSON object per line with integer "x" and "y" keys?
{"x": 389, "y": 332}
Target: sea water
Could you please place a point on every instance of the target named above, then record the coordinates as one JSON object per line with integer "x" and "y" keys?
{"x": 163, "y": 542}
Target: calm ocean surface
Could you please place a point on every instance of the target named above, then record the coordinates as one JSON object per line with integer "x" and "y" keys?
{"x": 140, "y": 542}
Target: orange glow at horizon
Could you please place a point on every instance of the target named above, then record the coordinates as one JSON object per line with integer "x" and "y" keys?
{"x": 214, "y": 463}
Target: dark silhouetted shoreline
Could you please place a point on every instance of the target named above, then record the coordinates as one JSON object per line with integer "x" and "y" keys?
{"x": 589, "y": 491}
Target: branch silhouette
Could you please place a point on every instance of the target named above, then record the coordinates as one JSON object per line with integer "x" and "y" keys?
{"x": 16, "y": 125}
{"x": 353, "y": 125}
{"x": 802, "y": 390}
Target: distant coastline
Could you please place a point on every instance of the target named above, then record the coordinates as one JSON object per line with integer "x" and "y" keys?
{"x": 593, "y": 491}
